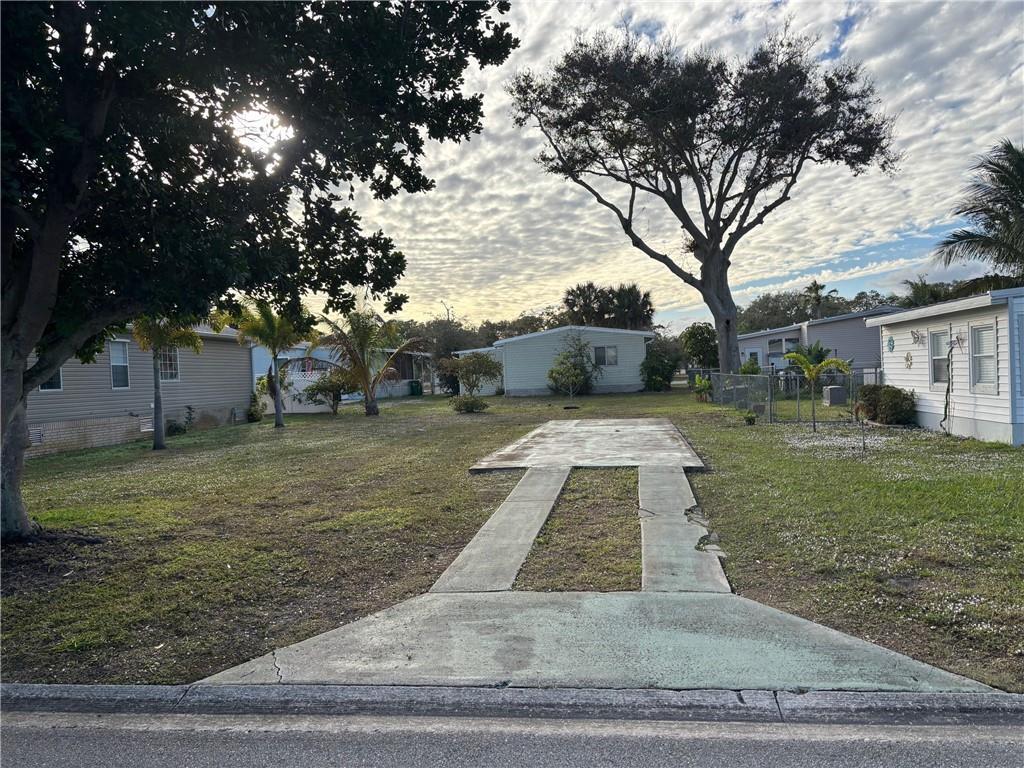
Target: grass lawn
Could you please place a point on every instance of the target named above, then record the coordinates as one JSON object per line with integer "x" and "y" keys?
{"x": 166, "y": 567}
{"x": 591, "y": 540}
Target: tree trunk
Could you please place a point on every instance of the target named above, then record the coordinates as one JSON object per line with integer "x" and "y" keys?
{"x": 371, "y": 407}
{"x": 159, "y": 442}
{"x": 14, "y": 520}
{"x": 278, "y": 403}
{"x": 718, "y": 298}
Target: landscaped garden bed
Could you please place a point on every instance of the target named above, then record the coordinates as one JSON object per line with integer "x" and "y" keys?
{"x": 166, "y": 567}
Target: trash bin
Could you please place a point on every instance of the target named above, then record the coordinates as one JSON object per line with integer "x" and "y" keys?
{"x": 416, "y": 388}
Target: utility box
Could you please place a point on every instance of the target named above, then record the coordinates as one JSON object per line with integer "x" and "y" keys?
{"x": 833, "y": 396}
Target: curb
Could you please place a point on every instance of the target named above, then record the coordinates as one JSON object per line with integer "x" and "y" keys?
{"x": 833, "y": 707}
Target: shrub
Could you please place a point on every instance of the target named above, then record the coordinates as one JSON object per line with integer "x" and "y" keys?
{"x": 868, "y": 397}
{"x": 468, "y": 404}
{"x": 574, "y": 371}
{"x": 472, "y": 371}
{"x": 330, "y": 388}
{"x": 749, "y": 418}
{"x": 896, "y": 406}
{"x": 662, "y": 361}
{"x": 702, "y": 388}
{"x": 174, "y": 428}
{"x": 256, "y": 409}
{"x": 750, "y": 368}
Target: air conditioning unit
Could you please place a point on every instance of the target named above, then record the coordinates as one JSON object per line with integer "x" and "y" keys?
{"x": 833, "y": 395}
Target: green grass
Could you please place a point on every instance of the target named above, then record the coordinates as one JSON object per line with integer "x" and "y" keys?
{"x": 591, "y": 540}
{"x": 166, "y": 567}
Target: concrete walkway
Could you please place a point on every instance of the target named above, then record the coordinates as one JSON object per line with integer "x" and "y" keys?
{"x": 492, "y": 559}
{"x": 671, "y": 560}
{"x": 685, "y": 630}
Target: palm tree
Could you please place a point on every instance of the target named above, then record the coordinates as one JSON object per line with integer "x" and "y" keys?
{"x": 587, "y": 304}
{"x": 257, "y": 323}
{"x": 631, "y": 308}
{"x": 815, "y": 295}
{"x": 360, "y": 338}
{"x": 921, "y": 293}
{"x": 158, "y": 334}
{"x": 812, "y": 371}
{"x": 993, "y": 203}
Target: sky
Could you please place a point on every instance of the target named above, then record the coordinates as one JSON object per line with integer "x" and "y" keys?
{"x": 498, "y": 236}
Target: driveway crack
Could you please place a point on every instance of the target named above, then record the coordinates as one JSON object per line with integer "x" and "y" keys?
{"x": 277, "y": 667}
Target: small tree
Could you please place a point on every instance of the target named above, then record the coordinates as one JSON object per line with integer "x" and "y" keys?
{"x": 812, "y": 371}
{"x": 472, "y": 371}
{"x": 661, "y": 363}
{"x": 575, "y": 370}
{"x": 158, "y": 334}
{"x": 257, "y": 323}
{"x": 357, "y": 340}
{"x": 330, "y": 388}
{"x": 700, "y": 343}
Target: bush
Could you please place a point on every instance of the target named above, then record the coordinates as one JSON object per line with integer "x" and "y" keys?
{"x": 896, "y": 406}
{"x": 256, "y": 409}
{"x": 749, "y": 418}
{"x": 574, "y": 371}
{"x": 469, "y": 404}
{"x": 702, "y": 388}
{"x": 174, "y": 428}
{"x": 750, "y": 368}
{"x": 472, "y": 371}
{"x": 868, "y": 398}
{"x": 662, "y": 361}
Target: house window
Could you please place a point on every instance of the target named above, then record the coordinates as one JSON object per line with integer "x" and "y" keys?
{"x": 119, "y": 365}
{"x": 606, "y": 355}
{"x": 938, "y": 342}
{"x": 53, "y": 384}
{"x": 983, "y": 358}
{"x": 168, "y": 357}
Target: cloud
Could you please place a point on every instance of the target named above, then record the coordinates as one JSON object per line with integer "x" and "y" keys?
{"x": 497, "y": 236}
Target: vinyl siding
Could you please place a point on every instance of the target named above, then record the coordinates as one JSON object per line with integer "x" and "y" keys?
{"x": 212, "y": 382}
{"x": 528, "y": 360}
{"x": 849, "y": 339}
{"x": 974, "y": 413}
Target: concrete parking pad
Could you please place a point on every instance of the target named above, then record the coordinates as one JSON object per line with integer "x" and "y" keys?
{"x": 596, "y": 443}
{"x": 494, "y": 556}
{"x": 598, "y": 640}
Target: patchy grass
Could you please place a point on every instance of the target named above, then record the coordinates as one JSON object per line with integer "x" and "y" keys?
{"x": 591, "y": 540}
{"x": 166, "y": 567}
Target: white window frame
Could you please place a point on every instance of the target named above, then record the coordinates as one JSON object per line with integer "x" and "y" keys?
{"x": 177, "y": 367}
{"x": 60, "y": 377}
{"x": 755, "y": 351}
{"x": 978, "y": 388}
{"x": 606, "y": 347}
{"x": 127, "y": 363}
{"x": 932, "y": 383}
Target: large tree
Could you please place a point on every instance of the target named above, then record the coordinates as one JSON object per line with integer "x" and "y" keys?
{"x": 156, "y": 156}
{"x": 720, "y": 142}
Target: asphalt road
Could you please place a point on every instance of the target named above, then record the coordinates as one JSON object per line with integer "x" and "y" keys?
{"x": 190, "y": 741}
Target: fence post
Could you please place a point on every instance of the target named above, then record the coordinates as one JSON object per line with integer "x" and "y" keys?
{"x": 771, "y": 400}
{"x": 798, "y": 388}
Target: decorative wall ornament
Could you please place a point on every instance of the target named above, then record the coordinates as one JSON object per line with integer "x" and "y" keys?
{"x": 919, "y": 338}
{"x": 908, "y": 360}
{"x": 890, "y": 344}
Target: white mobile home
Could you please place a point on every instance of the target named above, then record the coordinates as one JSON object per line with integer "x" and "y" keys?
{"x": 527, "y": 359}
{"x": 971, "y": 350}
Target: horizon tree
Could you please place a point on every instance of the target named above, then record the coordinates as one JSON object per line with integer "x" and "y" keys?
{"x": 720, "y": 142}
{"x": 155, "y": 334}
{"x": 587, "y": 304}
{"x": 993, "y": 204}
{"x": 814, "y": 296}
{"x": 160, "y": 158}
{"x": 631, "y": 308}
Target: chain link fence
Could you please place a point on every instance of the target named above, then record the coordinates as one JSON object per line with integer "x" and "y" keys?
{"x": 785, "y": 395}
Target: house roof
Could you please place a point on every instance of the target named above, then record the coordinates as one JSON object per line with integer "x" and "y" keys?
{"x": 470, "y": 351}
{"x": 881, "y": 309}
{"x": 564, "y": 328}
{"x": 948, "y": 307}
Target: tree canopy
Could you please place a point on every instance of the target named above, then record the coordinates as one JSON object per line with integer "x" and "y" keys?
{"x": 719, "y": 142}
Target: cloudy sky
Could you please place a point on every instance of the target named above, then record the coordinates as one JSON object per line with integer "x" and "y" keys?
{"x": 498, "y": 237}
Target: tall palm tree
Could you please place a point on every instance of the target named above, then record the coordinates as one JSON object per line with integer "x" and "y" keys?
{"x": 587, "y": 304}
{"x": 257, "y": 323}
{"x": 993, "y": 203}
{"x": 631, "y": 308}
{"x": 812, "y": 372}
{"x": 921, "y": 293}
{"x": 815, "y": 295}
{"x": 360, "y": 339}
{"x": 158, "y": 334}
